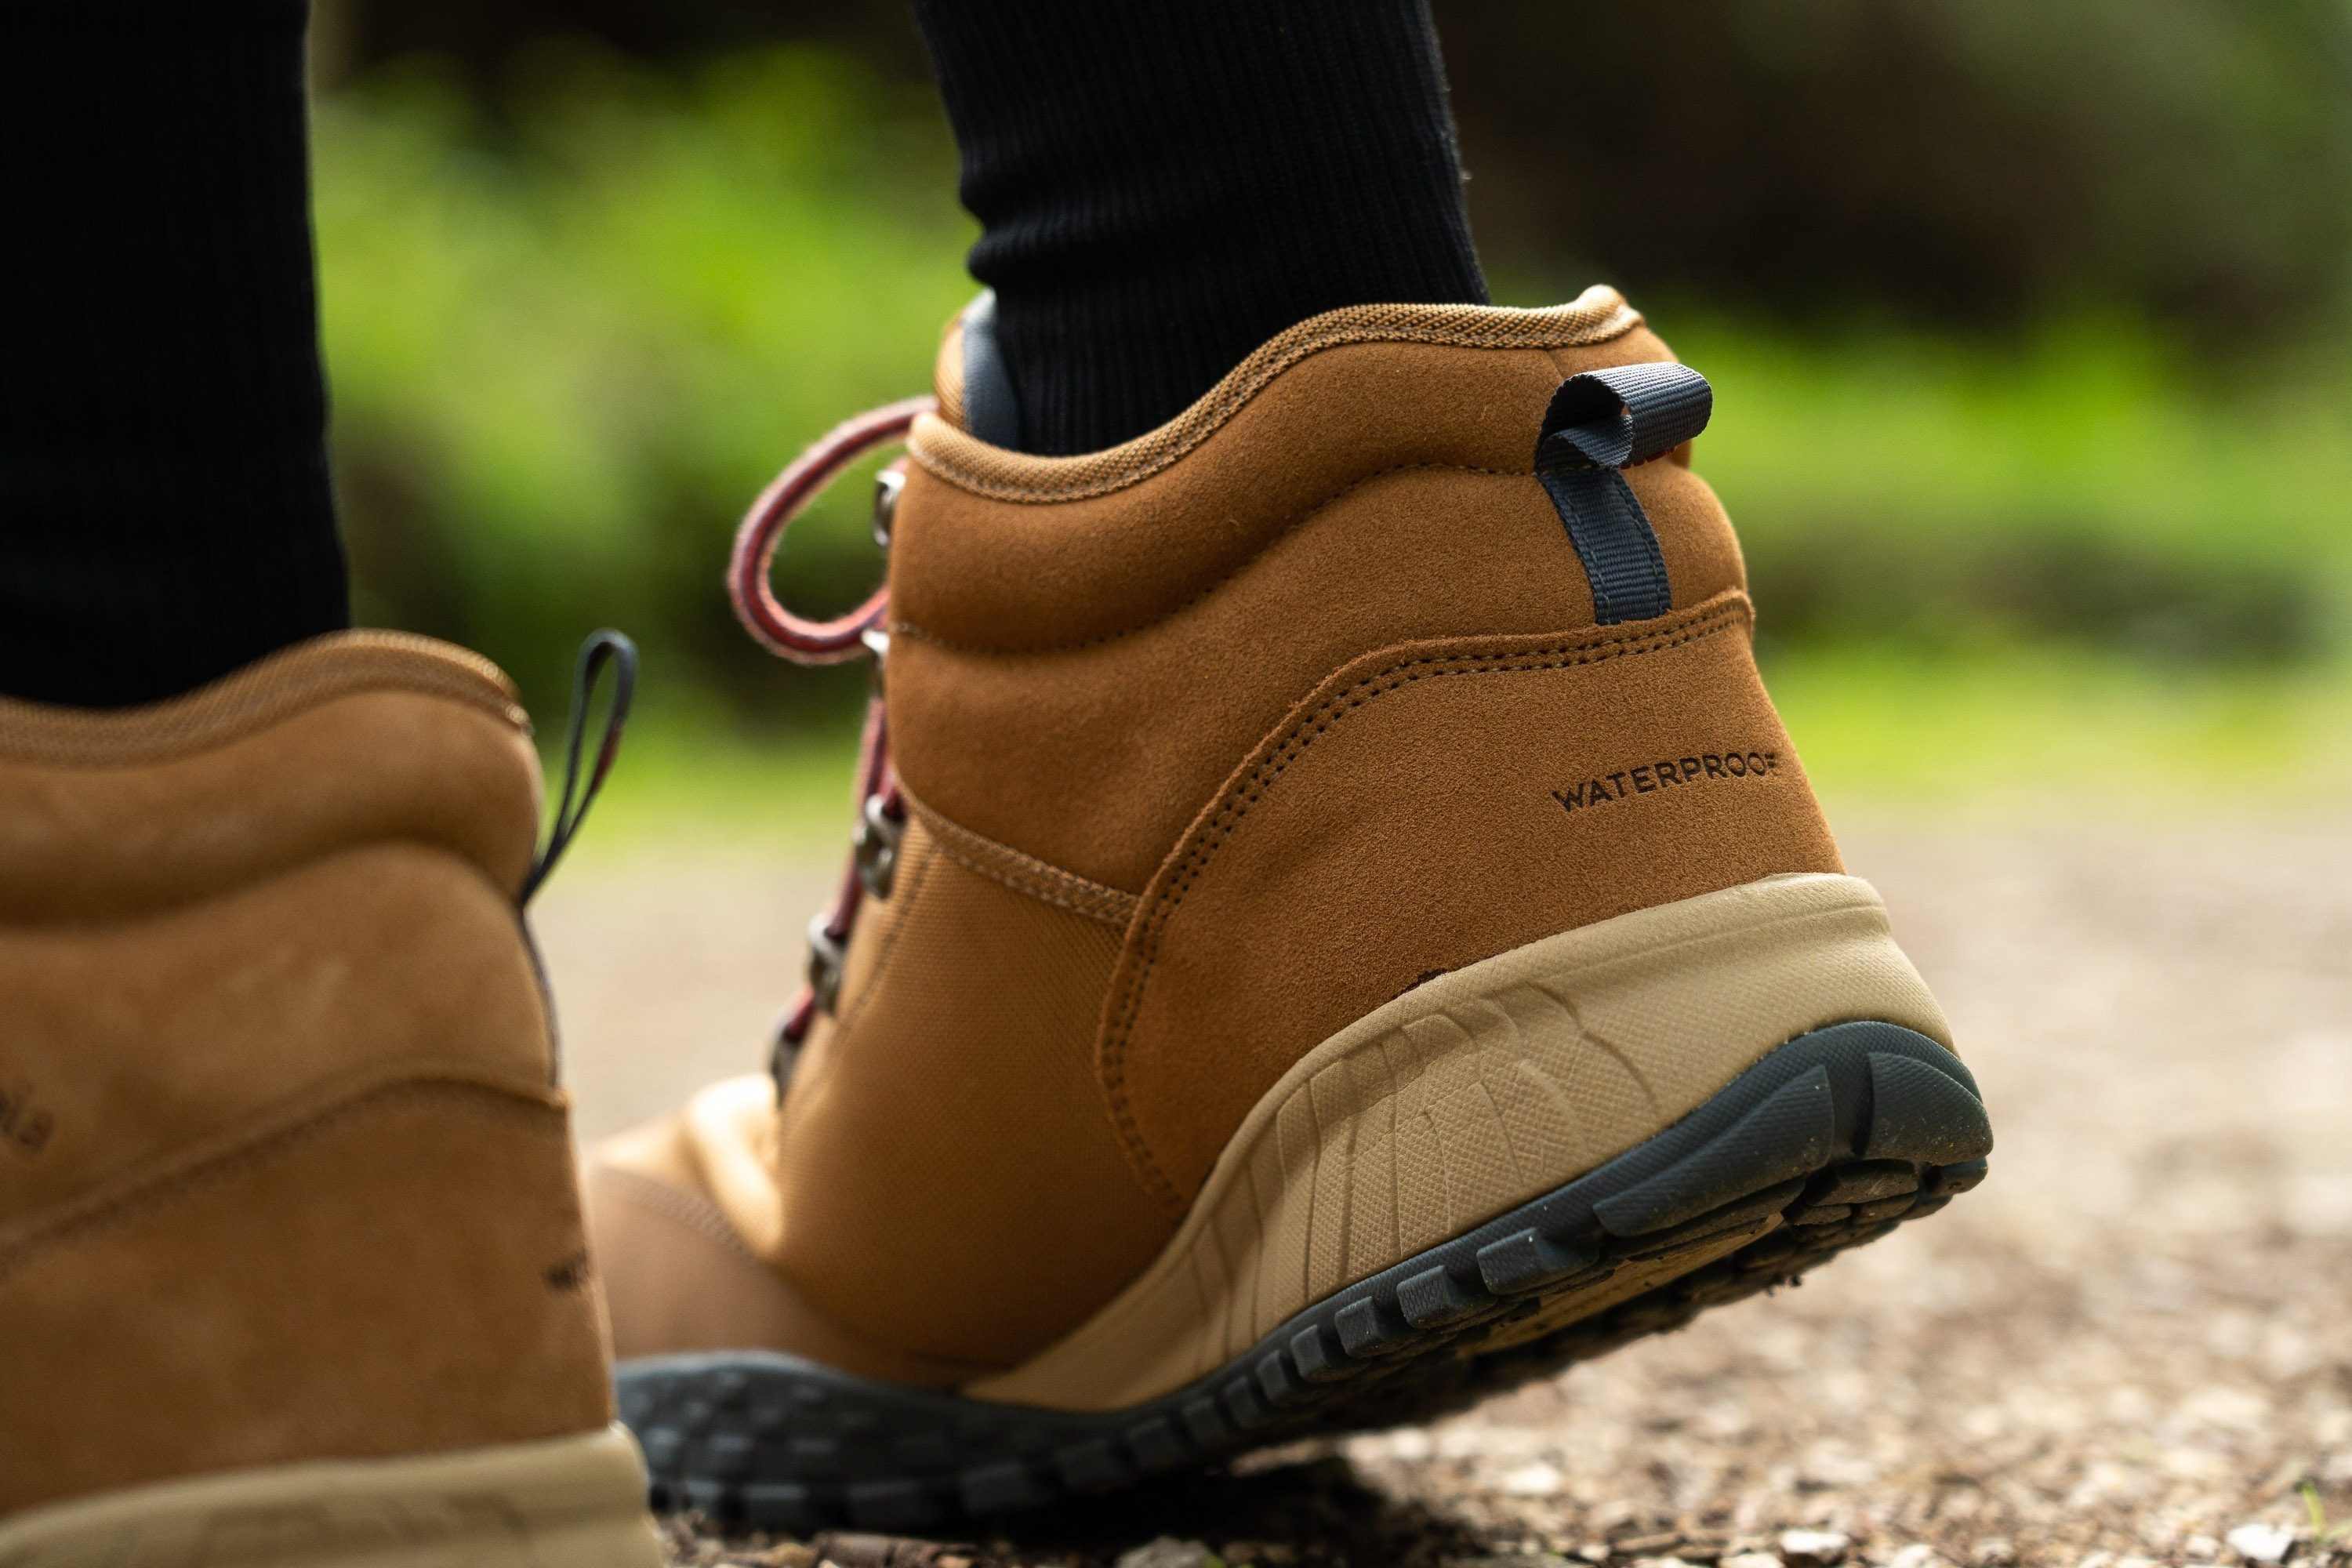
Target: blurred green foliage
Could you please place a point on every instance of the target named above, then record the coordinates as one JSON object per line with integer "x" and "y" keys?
{"x": 1980, "y": 162}
{"x": 568, "y": 345}
{"x": 2083, "y": 489}
{"x": 572, "y": 331}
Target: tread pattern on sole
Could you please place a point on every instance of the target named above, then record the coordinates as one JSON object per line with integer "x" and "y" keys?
{"x": 1828, "y": 1142}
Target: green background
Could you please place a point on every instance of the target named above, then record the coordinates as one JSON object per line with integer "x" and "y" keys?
{"x": 2027, "y": 325}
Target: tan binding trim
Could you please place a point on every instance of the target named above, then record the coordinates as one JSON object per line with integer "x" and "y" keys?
{"x": 578, "y": 1501}
{"x": 341, "y": 664}
{"x": 1470, "y": 1095}
{"x": 1597, "y": 314}
{"x": 1024, "y": 873}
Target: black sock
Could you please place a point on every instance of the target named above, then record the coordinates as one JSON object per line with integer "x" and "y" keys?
{"x": 1165, "y": 184}
{"x": 164, "y": 510}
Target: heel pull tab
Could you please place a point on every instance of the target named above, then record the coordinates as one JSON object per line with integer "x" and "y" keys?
{"x": 602, "y": 648}
{"x": 1599, "y": 423}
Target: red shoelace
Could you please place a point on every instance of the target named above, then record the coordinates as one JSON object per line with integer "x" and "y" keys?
{"x": 881, "y": 816}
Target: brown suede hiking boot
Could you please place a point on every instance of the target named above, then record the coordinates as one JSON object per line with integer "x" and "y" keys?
{"x": 292, "y": 1271}
{"x": 1343, "y": 931}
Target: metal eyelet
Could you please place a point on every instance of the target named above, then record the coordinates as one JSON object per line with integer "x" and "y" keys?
{"x": 887, "y": 485}
{"x": 875, "y": 845}
{"x": 826, "y": 955}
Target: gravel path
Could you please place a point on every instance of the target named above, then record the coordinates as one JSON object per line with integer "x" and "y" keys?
{"x": 2132, "y": 1343}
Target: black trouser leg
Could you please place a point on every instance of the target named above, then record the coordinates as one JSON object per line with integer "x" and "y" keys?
{"x": 164, "y": 508}
{"x": 1165, "y": 184}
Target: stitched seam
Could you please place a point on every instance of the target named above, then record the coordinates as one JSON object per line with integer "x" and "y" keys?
{"x": 1287, "y": 527}
{"x": 160, "y": 1191}
{"x": 1025, "y": 874}
{"x": 1222, "y": 403}
{"x": 1005, "y": 880}
{"x": 253, "y": 701}
{"x": 94, "y": 753}
{"x": 106, "y": 917}
{"x": 1302, "y": 733}
{"x": 695, "y": 1214}
{"x": 1291, "y": 525}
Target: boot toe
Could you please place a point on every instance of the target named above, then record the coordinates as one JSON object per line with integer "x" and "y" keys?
{"x": 683, "y": 1266}
{"x": 678, "y": 1277}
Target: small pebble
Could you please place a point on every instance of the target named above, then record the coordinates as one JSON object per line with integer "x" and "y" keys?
{"x": 1167, "y": 1552}
{"x": 2265, "y": 1543}
{"x": 1814, "y": 1548}
{"x": 1750, "y": 1560}
{"x": 1649, "y": 1545}
{"x": 858, "y": 1549}
{"x": 1537, "y": 1479}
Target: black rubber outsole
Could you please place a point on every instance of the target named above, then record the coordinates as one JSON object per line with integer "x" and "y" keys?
{"x": 1829, "y": 1142}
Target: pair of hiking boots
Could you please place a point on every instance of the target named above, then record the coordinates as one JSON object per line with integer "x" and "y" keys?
{"x": 1338, "y": 928}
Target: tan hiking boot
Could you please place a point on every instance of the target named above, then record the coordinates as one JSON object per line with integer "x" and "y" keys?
{"x": 1343, "y": 931}
{"x": 292, "y": 1271}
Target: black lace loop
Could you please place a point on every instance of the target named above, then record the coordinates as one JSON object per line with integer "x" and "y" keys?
{"x": 603, "y": 647}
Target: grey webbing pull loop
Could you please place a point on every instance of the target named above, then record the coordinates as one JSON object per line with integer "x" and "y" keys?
{"x": 603, "y": 647}
{"x": 1601, "y": 422}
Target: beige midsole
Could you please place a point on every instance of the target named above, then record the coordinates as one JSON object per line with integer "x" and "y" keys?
{"x": 1471, "y": 1095}
{"x": 576, "y": 1501}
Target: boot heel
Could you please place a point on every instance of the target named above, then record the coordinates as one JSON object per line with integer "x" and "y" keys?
{"x": 1476, "y": 1092}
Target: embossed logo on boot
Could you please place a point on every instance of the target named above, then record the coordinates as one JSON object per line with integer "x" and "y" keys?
{"x": 25, "y": 1127}
{"x": 1668, "y": 773}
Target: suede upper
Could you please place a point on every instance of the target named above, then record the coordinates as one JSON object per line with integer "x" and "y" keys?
{"x": 1175, "y": 603}
{"x": 286, "y": 1175}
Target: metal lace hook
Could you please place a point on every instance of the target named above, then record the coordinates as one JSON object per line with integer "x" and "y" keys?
{"x": 771, "y": 625}
{"x": 602, "y": 649}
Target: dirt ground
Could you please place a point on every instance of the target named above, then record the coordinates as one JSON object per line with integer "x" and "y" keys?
{"x": 2134, "y": 1344}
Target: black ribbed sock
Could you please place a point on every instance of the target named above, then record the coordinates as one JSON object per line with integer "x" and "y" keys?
{"x": 164, "y": 510}
{"x": 1165, "y": 184}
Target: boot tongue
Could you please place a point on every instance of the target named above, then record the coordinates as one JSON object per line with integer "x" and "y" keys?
{"x": 973, "y": 382}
